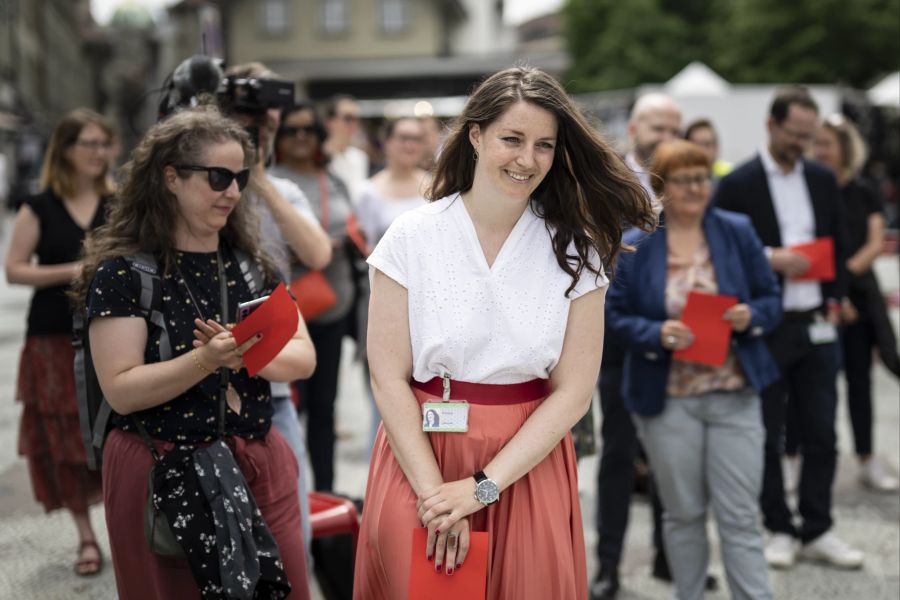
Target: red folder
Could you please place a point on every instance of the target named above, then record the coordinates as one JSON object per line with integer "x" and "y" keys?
{"x": 703, "y": 314}
{"x": 469, "y": 582}
{"x": 820, "y": 254}
{"x": 276, "y": 319}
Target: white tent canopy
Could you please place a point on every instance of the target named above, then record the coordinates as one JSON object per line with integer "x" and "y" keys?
{"x": 697, "y": 79}
{"x": 886, "y": 92}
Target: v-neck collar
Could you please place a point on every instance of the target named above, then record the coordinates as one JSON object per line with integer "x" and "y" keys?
{"x": 74, "y": 221}
{"x": 514, "y": 235}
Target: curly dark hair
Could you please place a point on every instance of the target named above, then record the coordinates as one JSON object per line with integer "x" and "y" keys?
{"x": 144, "y": 213}
{"x": 589, "y": 196}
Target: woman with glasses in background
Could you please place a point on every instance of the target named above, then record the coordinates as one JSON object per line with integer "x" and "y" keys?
{"x": 51, "y": 226}
{"x": 394, "y": 190}
{"x": 701, "y": 425}
{"x": 301, "y": 159}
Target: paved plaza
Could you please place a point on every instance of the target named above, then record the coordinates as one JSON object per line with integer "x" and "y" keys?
{"x": 37, "y": 550}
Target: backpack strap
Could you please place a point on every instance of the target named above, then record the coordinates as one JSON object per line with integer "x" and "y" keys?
{"x": 145, "y": 274}
{"x": 85, "y": 389}
{"x": 251, "y": 271}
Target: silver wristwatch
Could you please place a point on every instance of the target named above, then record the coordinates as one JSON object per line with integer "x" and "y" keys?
{"x": 486, "y": 490}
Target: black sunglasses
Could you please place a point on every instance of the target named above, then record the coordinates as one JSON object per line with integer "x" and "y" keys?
{"x": 293, "y": 131}
{"x": 220, "y": 178}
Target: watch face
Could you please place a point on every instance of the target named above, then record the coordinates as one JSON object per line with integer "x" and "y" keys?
{"x": 486, "y": 491}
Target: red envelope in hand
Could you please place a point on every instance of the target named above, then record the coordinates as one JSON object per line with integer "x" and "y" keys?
{"x": 469, "y": 582}
{"x": 276, "y": 319}
{"x": 820, "y": 254}
{"x": 703, "y": 314}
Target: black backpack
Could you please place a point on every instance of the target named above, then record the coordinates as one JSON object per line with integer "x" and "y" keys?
{"x": 94, "y": 412}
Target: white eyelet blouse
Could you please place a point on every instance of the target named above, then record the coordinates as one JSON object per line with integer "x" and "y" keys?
{"x": 500, "y": 324}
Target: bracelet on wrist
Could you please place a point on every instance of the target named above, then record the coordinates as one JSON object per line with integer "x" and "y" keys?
{"x": 197, "y": 362}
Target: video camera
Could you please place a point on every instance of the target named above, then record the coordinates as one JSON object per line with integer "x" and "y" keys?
{"x": 200, "y": 74}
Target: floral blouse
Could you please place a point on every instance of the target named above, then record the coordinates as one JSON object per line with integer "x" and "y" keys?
{"x": 690, "y": 378}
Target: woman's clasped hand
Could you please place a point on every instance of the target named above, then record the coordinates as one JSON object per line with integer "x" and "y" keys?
{"x": 443, "y": 510}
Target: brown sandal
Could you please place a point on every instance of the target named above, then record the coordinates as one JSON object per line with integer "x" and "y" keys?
{"x": 88, "y": 567}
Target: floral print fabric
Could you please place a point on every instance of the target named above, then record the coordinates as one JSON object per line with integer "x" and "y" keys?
{"x": 214, "y": 517}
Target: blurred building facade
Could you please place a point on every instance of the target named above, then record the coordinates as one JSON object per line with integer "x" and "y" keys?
{"x": 380, "y": 51}
{"x": 48, "y": 65}
{"x": 53, "y": 58}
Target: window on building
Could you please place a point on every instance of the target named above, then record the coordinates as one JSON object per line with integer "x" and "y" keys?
{"x": 335, "y": 16}
{"x": 273, "y": 16}
{"x": 394, "y": 15}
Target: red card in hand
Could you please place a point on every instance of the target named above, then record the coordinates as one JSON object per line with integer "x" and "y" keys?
{"x": 820, "y": 254}
{"x": 276, "y": 319}
{"x": 703, "y": 314}
{"x": 469, "y": 582}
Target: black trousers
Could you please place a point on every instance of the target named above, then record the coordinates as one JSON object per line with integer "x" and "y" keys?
{"x": 317, "y": 399}
{"x": 808, "y": 384}
{"x": 858, "y": 342}
{"x": 615, "y": 479}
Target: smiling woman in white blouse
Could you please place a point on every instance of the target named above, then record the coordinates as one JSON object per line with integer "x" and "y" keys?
{"x": 493, "y": 293}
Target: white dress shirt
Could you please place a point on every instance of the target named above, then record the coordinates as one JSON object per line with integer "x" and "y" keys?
{"x": 499, "y": 324}
{"x": 797, "y": 224}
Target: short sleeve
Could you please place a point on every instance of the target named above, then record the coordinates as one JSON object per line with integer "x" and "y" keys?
{"x": 112, "y": 293}
{"x": 390, "y": 255}
{"x": 589, "y": 281}
{"x": 365, "y": 211}
{"x": 872, "y": 202}
{"x": 295, "y": 196}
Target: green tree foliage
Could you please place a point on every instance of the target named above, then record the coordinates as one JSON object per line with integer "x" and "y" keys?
{"x": 621, "y": 43}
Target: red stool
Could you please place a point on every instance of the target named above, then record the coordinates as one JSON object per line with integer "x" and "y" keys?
{"x": 332, "y": 515}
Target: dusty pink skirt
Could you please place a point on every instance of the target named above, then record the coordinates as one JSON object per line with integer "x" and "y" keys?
{"x": 536, "y": 539}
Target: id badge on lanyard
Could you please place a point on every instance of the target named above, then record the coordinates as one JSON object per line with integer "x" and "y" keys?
{"x": 447, "y": 416}
{"x": 822, "y": 332}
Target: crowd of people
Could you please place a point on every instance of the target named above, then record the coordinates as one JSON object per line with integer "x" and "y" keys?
{"x": 485, "y": 269}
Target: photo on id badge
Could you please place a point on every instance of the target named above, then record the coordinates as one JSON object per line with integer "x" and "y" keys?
{"x": 445, "y": 417}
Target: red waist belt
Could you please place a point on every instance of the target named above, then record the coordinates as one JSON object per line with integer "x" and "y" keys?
{"x": 487, "y": 393}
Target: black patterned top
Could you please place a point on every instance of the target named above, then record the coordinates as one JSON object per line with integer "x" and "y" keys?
{"x": 190, "y": 417}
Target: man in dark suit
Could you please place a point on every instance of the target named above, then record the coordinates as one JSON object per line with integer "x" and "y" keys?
{"x": 791, "y": 201}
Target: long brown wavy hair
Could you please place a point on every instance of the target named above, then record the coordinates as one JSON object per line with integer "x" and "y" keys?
{"x": 589, "y": 196}
{"x": 57, "y": 173}
{"x": 144, "y": 213}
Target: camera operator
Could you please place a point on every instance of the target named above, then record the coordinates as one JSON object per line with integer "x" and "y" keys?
{"x": 287, "y": 226}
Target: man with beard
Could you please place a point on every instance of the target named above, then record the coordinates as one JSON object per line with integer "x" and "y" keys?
{"x": 792, "y": 201}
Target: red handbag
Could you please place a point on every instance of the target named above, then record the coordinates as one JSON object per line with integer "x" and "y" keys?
{"x": 313, "y": 293}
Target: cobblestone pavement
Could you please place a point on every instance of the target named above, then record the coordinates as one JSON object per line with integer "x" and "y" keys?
{"x": 37, "y": 551}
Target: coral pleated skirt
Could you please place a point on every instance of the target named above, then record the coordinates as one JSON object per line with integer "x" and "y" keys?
{"x": 536, "y": 549}
{"x": 49, "y": 433}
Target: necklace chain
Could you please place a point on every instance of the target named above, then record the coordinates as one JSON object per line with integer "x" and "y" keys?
{"x": 188, "y": 288}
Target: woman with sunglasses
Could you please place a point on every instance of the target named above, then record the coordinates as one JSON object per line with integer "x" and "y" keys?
{"x": 298, "y": 150}
{"x": 700, "y": 423}
{"x": 51, "y": 226}
{"x": 181, "y": 202}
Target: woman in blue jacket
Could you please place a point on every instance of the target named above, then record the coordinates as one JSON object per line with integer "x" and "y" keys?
{"x": 701, "y": 425}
